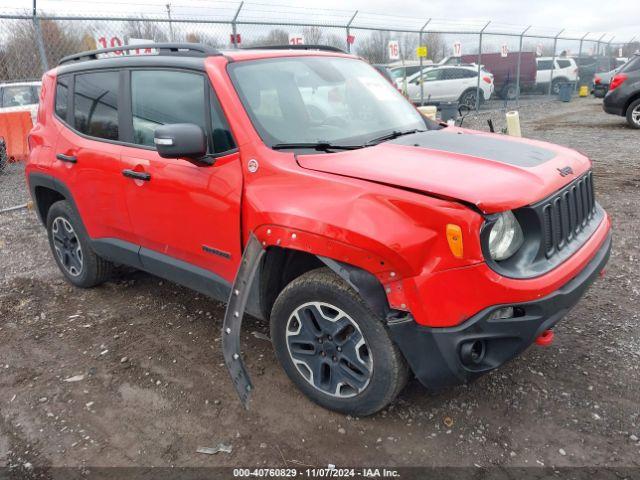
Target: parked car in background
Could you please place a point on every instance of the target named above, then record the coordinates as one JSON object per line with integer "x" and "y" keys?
{"x": 623, "y": 97}
{"x": 450, "y": 83}
{"x": 563, "y": 70}
{"x": 405, "y": 69}
{"x": 591, "y": 65}
{"x": 385, "y": 71}
{"x": 20, "y": 96}
{"x": 601, "y": 82}
{"x": 504, "y": 70}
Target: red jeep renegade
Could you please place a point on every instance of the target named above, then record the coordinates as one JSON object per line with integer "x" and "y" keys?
{"x": 299, "y": 186}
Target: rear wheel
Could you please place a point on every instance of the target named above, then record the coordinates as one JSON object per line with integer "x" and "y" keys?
{"x": 509, "y": 92}
{"x": 633, "y": 114}
{"x": 468, "y": 99}
{"x": 333, "y": 347}
{"x": 71, "y": 248}
{"x": 555, "y": 85}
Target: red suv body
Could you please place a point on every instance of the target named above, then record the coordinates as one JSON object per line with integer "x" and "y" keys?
{"x": 388, "y": 243}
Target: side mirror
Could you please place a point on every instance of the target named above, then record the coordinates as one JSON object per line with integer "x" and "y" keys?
{"x": 180, "y": 140}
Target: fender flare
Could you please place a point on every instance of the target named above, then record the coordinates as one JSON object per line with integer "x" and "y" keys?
{"x": 36, "y": 179}
{"x": 365, "y": 283}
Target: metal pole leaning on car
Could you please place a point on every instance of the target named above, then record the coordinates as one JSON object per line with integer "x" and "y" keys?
{"x": 518, "y": 67}
{"x": 234, "y": 27}
{"x": 479, "y": 66}
{"x": 420, "y": 79}
{"x": 553, "y": 60}
{"x": 348, "y": 28}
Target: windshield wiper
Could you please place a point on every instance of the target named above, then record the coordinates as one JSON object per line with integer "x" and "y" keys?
{"x": 320, "y": 146}
{"x": 392, "y": 135}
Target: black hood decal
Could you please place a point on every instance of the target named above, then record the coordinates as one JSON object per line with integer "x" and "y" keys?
{"x": 498, "y": 148}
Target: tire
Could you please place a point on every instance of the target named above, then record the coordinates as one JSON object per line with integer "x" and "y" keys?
{"x": 468, "y": 98}
{"x": 633, "y": 114}
{"x": 71, "y": 249}
{"x": 3, "y": 155}
{"x": 509, "y": 92}
{"x": 305, "y": 314}
{"x": 555, "y": 85}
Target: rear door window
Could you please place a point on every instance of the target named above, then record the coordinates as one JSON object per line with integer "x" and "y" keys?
{"x": 95, "y": 99}
{"x": 564, "y": 63}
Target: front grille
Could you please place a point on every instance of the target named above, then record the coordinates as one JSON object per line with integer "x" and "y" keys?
{"x": 566, "y": 213}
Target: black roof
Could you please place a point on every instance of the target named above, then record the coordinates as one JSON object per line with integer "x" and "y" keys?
{"x": 149, "y": 61}
{"x": 163, "y": 49}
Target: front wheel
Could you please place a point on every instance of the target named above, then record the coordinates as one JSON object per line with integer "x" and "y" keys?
{"x": 333, "y": 347}
{"x": 633, "y": 114}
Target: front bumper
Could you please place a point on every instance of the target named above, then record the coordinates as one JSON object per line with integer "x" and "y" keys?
{"x": 434, "y": 354}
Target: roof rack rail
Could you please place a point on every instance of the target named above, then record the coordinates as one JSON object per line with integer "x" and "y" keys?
{"x": 325, "y": 48}
{"x": 165, "y": 49}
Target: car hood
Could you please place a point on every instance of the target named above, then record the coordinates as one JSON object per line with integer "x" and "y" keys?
{"x": 491, "y": 171}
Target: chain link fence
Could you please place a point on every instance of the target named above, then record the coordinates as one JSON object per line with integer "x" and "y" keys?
{"x": 528, "y": 64}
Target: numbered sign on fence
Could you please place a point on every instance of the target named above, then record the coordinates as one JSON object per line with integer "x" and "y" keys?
{"x": 457, "y": 49}
{"x": 504, "y": 51}
{"x": 109, "y": 42}
{"x": 141, "y": 51}
{"x": 394, "y": 50}
{"x": 296, "y": 39}
{"x": 421, "y": 51}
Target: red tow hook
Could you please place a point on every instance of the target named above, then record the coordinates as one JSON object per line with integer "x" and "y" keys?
{"x": 545, "y": 339}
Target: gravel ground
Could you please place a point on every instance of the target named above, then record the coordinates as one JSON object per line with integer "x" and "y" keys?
{"x": 151, "y": 386}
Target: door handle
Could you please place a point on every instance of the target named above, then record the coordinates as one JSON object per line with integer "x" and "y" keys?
{"x": 66, "y": 158}
{"x": 137, "y": 175}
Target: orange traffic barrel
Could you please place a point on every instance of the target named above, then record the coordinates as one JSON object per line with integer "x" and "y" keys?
{"x": 14, "y": 128}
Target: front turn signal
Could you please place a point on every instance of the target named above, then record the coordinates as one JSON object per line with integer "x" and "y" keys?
{"x": 454, "y": 237}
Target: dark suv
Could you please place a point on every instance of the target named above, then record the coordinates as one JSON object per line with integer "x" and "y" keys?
{"x": 624, "y": 93}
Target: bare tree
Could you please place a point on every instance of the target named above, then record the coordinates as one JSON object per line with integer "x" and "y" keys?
{"x": 19, "y": 53}
{"x": 374, "y": 47}
{"x": 435, "y": 46}
{"x": 312, "y": 35}
{"x": 145, "y": 29}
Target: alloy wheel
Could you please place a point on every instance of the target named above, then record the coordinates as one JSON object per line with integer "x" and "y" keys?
{"x": 328, "y": 349}
{"x": 67, "y": 246}
{"x": 635, "y": 115}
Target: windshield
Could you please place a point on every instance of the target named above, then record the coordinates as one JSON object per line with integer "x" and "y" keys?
{"x": 320, "y": 100}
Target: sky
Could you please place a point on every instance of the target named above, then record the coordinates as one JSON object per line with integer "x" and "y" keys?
{"x": 615, "y": 17}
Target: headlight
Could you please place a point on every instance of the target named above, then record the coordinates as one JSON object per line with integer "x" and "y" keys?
{"x": 505, "y": 237}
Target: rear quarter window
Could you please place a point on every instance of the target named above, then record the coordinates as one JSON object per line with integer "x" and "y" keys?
{"x": 564, "y": 63}
{"x": 632, "y": 65}
{"x": 62, "y": 97}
